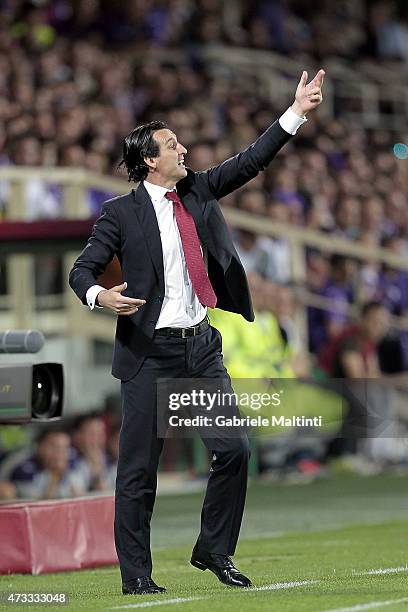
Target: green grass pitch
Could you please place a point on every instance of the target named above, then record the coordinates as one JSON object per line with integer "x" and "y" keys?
{"x": 337, "y": 544}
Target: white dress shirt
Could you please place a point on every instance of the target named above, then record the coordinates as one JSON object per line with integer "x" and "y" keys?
{"x": 180, "y": 307}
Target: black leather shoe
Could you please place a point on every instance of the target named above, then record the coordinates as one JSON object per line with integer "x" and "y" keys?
{"x": 142, "y": 586}
{"x": 221, "y": 566}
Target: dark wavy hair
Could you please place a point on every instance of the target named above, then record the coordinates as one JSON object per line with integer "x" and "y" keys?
{"x": 137, "y": 145}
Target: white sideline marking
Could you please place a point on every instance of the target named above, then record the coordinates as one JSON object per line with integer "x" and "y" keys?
{"x": 383, "y": 570}
{"x": 159, "y": 602}
{"x": 370, "y": 606}
{"x": 282, "y": 585}
{"x": 269, "y": 587}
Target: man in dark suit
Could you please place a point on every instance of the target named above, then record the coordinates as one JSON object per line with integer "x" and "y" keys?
{"x": 177, "y": 259}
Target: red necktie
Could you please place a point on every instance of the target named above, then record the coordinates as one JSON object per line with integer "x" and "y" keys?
{"x": 191, "y": 247}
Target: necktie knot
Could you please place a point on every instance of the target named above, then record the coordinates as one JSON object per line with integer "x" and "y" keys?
{"x": 172, "y": 195}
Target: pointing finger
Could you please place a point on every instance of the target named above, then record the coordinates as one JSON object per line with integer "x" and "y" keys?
{"x": 303, "y": 79}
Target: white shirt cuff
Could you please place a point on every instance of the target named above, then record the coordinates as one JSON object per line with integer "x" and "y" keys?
{"x": 290, "y": 121}
{"x": 91, "y": 295}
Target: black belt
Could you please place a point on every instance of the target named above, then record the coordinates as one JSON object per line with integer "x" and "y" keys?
{"x": 183, "y": 332}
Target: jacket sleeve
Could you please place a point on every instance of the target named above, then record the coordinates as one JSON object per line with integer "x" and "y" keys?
{"x": 103, "y": 244}
{"x": 238, "y": 170}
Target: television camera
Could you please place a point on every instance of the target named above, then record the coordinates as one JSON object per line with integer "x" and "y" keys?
{"x": 29, "y": 392}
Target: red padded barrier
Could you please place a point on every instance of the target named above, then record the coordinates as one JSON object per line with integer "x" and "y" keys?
{"x": 55, "y": 536}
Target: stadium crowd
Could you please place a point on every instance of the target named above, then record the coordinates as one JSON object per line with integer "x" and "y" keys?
{"x": 64, "y": 461}
{"x": 71, "y": 89}
{"x": 76, "y": 76}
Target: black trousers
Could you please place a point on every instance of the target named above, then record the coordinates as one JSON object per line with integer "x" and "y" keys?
{"x": 140, "y": 448}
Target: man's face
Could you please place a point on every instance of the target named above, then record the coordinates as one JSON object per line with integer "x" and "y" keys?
{"x": 90, "y": 436}
{"x": 54, "y": 451}
{"x": 169, "y": 165}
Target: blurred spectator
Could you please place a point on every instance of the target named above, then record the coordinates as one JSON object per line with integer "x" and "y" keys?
{"x": 325, "y": 324}
{"x": 347, "y": 217}
{"x": 390, "y": 20}
{"x": 278, "y": 248}
{"x": 91, "y": 461}
{"x": 252, "y": 252}
{"x": 251, "y": 200}
{"x": 353, "y": 353}
{"x": 353, "y": 359}
{"x": 392, "y": 289}
{"x": 42, "y": 199}
{"x": 47, "y": 474}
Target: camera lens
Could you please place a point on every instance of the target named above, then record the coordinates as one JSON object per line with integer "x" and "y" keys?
{"x": 45, "y": 393}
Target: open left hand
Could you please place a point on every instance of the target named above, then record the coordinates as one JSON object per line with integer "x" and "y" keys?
{"x": 308, "y": 95}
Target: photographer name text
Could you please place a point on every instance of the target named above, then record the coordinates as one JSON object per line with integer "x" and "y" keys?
{"x": 247, "y": 421}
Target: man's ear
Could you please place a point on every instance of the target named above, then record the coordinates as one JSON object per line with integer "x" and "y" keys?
{"x": 151, "y": 162}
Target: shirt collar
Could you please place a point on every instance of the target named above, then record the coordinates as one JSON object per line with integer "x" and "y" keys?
{"x": 156, "y": 192}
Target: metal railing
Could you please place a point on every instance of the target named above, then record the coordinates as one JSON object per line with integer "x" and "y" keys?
{"x": 63, "y": 314}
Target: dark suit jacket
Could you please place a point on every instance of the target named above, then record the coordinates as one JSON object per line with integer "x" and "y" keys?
{"x": 128, "y": 228}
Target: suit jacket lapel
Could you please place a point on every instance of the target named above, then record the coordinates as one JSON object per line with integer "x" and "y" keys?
{"x": 147, "y": 218}
{"x": 144, "y": 210}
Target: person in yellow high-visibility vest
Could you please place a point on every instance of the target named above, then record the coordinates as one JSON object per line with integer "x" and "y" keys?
{"x": 263, "y": 351}
{"x": 258, "y": 349}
